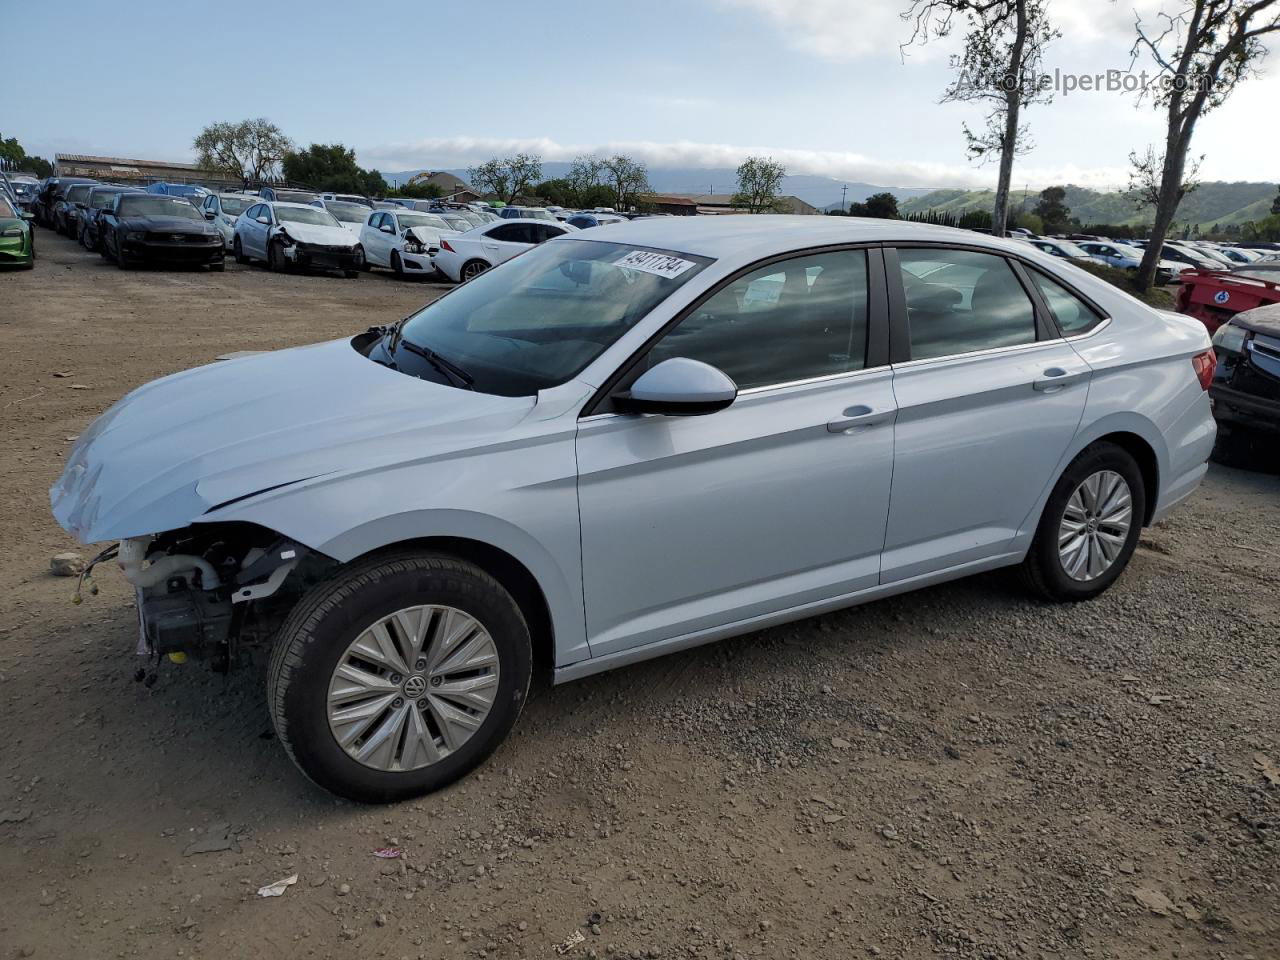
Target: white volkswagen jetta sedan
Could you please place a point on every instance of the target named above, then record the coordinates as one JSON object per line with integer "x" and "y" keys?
{"x": 629, "y": 441}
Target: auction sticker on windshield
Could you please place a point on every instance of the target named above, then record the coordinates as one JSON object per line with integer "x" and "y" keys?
{"x": 658, "y": 264}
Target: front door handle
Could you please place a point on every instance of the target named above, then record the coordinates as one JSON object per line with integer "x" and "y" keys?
{"x": 1054, "y": 379}
{"x": 857, "y": 417}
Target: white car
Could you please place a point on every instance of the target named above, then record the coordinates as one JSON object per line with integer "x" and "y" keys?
{"x": 631, "y": 441}
{"x": 224, "y": 209}
{"x": 352, "y": 216}
{"x": 403, "y": 240}
{"x": 469, "y": 254}
{"x": 295, "y": 235}
{"x": 1124, "y": 257}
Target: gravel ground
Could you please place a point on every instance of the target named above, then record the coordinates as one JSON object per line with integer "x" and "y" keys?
{"x": 959, "y": 772}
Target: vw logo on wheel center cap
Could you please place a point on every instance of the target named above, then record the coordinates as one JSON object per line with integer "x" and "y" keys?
{"x": 415, "y": 686}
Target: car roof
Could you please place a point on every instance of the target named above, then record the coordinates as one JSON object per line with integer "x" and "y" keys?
{"x": 757, "y": 235}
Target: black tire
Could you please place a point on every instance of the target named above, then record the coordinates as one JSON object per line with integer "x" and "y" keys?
{"x": 218, "y": 266}
{"x": 351, "y": 274}
{"x": 361, "y": 262}
{"x": 1235, "y": 448}
{"x": 122, "y": 258}
{"x": 1043, "y": 568}
{"x": 397, "y": 264}
{"x": 330, "y": 616}
{"x": 238, "y": 252}
{"x": 472, "y": 268}
{"x": 275, "y": 257}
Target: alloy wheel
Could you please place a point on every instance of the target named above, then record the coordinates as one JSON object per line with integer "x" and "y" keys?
{"x": 1095, "y": 525}
{"x": 413, "y": 688}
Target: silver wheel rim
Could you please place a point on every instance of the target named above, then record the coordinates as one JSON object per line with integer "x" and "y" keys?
{"x": 472, "y": 270}
{"x": 413, "y": 688}
{"x": 1095, "y": 525}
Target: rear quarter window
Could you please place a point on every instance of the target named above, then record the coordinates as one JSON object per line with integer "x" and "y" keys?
{"x": 1072, "y": 314}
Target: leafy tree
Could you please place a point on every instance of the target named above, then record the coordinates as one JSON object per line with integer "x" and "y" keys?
{"x": 1275, "y": 204}
{"x": 250, "y": 150}
{"x": 568, "y": 192}
{"x": 627, "y": 179}
{"x": 417, "y": 191}
{"x": 332, "y": 167}
{"x": 14, "y": 157}
{"x": 882, "y": 206}
{"x": 1201, "y": 54}
{"x": 1000, "y": 67}
{"x": 759, "y": 183}
{"x": 508, "y": 177}
{"x": 585, "y": 173}
{"x": 1052, "y": 210}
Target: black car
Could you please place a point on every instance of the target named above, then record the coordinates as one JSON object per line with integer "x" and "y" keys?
{"x": 1246, "y": 384}
{"x": 51, "y": 191}
{"x": 100, "y": 199}
{"x": 67, "y": 211}
{"x": 149, "y": 228}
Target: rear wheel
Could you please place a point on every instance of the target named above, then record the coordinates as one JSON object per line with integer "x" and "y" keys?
{"x": 473, "y": 268}
{"x": 1090, "y": 525}
{"x": 399, "y": 676}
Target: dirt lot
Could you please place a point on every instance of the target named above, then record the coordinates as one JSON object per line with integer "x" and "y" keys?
{"x": 958, "y": 772}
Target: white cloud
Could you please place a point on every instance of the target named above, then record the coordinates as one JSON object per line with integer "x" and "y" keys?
{"x": 840, "y": 165}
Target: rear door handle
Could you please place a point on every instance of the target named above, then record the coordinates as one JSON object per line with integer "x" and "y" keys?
{"x": 1054, "y": 379}
{"x": 857, "y": 417}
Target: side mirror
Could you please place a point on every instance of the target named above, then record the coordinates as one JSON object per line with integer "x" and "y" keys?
{"x": 679, "y": 387}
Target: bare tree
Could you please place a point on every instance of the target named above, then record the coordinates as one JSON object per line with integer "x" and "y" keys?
{"x": 509, "y": 177}
{"x": 249, "y": 150}
{"x": 1000, "y": 67}
{"x": 759, "y": 182}
{"x": 627, "y": 178}
{"x": 1201, "y": 53}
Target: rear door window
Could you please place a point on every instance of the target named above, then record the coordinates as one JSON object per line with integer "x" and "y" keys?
{"x": 961, "y": 301}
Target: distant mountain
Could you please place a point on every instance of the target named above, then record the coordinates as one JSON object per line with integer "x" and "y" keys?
{"x": 822, "y": 192}
{"x": 1214, "y": 202}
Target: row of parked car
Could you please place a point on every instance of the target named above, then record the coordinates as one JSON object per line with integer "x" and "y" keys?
{"x": 1176, "y": 257}
{"x": 289, "y": 229}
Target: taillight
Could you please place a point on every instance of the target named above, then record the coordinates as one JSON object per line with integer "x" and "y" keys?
{"x": 444, "y": 245}
{"x": 1204, "y": 364}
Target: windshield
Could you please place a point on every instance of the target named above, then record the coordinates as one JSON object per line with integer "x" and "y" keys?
{"x": 321, "y": 218}
{"x": 154, "y": 205}
{"x": 350, "y": 212}
{"x": 78, "y": 194}
{"x": 234, "y": 206}
{"x": 537, "y": 320}
{"x": 408, "y": 220}
{"x": 101, "y": 199}
{"x": 455, "y": 222}
{"x": 295, "y": 196}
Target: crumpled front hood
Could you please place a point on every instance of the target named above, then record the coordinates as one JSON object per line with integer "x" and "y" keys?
{"x": 171, "y": 450}
{"x": 318, "y": 233}
{"x": 428, "y": 236}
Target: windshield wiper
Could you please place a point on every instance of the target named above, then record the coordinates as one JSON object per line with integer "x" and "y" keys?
{"x": 456, "y": 375}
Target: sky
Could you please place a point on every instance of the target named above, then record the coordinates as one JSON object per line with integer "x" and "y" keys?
{"x": 820, "y": 85}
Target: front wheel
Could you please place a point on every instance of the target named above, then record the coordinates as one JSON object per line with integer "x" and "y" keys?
{"x": 396, "y": 263}
{"x": 1090, "y": 525}
{"x": 399, "y": 676}
{"x": 275, "y": 256}
{"x": 238, "y": 252}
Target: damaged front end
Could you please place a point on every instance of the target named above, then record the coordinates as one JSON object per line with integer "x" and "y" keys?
{"x": 207, "y": 590}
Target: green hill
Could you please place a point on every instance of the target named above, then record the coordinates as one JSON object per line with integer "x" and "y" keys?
{"x": 1214, "y": 202}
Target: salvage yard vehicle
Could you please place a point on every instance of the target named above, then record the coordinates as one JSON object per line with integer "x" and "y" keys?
{"x": 403, "y": 241}
{"x": 67, "y": 209}
{"x": 630, "y": 441}
{"x": 100, "y": 198}
{"x": 1246, "y": 385}
{"x": 17, "y": 239}
{"x": 468, "y": 254}
{"x": 295, "y": 235}
{"x": 223, "y": 209}
{"x": 51, "y": 191}
{"x": 350, "y": 216}
{"x": 148, "y": 228}
{"x": 1124, "y": 257}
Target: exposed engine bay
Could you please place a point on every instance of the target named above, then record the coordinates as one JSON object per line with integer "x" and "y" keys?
{"x": 208, "y": 590}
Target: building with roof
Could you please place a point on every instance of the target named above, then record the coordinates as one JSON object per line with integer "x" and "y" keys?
{"x": 453, "y": 188}
{"x": 119, "y": 170}
{"x": 714, "y": 203}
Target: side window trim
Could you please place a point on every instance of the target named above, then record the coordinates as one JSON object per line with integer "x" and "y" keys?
{"x": 878, "y": 325}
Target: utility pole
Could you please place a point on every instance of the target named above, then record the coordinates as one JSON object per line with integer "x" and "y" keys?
{"x": 844, "y": 191}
